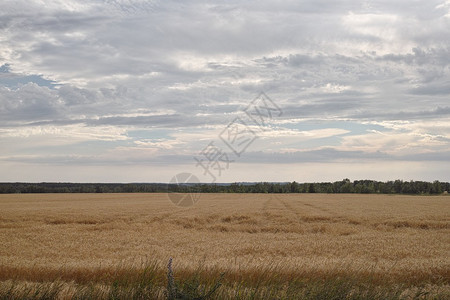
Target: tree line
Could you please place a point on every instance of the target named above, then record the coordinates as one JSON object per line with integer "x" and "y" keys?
{"x": 343, "y": 186}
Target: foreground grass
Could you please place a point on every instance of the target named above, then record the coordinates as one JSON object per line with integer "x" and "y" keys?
{"x": 152, "y": 281}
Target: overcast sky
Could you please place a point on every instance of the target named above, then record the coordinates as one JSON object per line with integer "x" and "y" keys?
{"x": 138, "y": 91}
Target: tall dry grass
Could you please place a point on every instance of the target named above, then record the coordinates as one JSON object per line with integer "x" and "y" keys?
{"x": 204, "y": 283}
{"x": 281, "y": 244}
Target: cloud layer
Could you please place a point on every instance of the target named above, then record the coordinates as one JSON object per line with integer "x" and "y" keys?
{"x": 130, "y": 83}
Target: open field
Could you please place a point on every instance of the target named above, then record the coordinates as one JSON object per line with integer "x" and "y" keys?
{"x": 79, "y": 239}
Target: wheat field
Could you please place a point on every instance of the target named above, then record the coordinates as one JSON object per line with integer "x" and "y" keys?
{"x": 85, "y": 238}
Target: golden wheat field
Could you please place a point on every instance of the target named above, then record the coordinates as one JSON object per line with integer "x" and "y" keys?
{"x": 75, "y": 237}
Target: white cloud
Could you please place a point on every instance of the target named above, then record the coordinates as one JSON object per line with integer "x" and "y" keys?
{"x": 382, "y": 26}
{"x": 63, "y": 135}
{"x": 163, "y": 144}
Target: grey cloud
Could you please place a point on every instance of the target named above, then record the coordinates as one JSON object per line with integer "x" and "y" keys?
{"x": 434, "y": 156}
{"x": 76, "y": 96}
{"x": 435, "y": 113}
{"x": 168, "y": 121}
{"x": 333, "y": 155}
{"x": 325, "y": 155}
{"x": 433, "y": 89}
{"x": 28, "y": 102}
{"x": 322, "y": 108}
{"x": 419, "y": 56}
{"x": 322, "y": 155}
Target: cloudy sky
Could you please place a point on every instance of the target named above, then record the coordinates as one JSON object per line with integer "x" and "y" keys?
{"x": 138, "y": 91}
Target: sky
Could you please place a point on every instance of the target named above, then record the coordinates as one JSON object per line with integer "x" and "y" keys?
{"x": 304, "y": 90}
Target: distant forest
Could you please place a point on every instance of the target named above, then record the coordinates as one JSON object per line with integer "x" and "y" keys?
{"x": 343, "y": 186}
